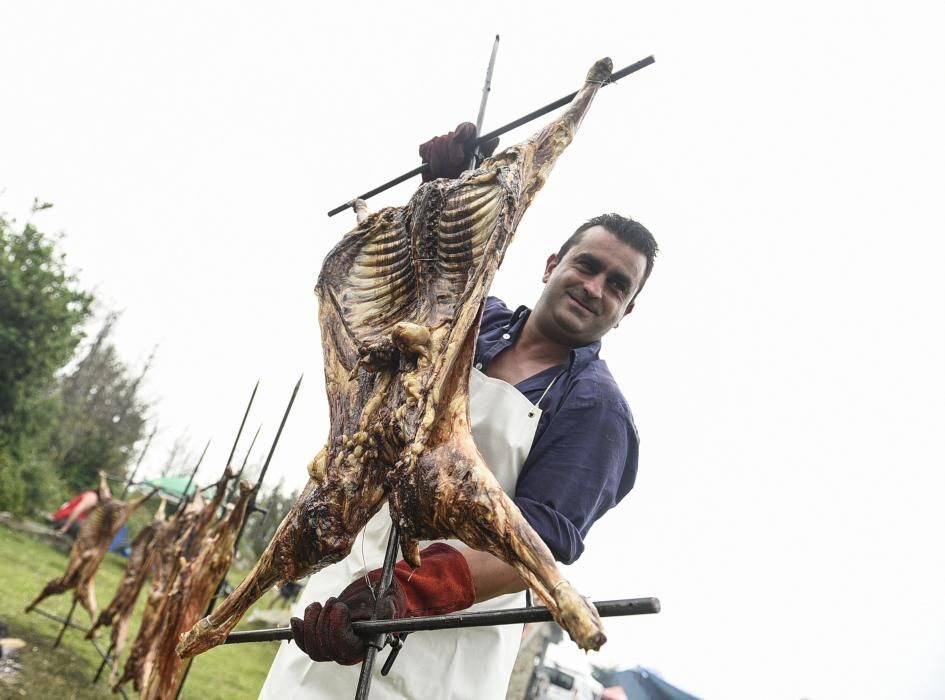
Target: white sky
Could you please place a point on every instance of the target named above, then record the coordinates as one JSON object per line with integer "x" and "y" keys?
{"x": 785, "y": 363}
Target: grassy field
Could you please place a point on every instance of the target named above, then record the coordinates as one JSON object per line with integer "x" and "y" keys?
{"x": 26, "y": 564}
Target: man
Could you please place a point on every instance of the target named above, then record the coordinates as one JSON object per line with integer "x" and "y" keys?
{"x": 73, "y": 513}
{"x": 558, "y": 435}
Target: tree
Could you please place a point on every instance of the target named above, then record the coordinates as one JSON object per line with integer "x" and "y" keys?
{"x": 103, "y": 415}
{"x": 42, "y": 309}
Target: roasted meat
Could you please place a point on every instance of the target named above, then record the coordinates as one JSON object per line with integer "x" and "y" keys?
{"x": 176, "y": 543}
{"x": 195, "y": 586}
{"x": 399, "y": 305}
{"x": 90, "y": 547}
{"x": 140, "y": 563}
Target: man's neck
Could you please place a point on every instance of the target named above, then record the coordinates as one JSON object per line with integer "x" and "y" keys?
{"x": 536, "y": 346}
{"x": 532, "y": 352}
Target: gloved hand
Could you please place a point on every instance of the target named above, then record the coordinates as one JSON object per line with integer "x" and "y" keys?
{"x": 442, "y": 584}
{"x": 449, "y": 155}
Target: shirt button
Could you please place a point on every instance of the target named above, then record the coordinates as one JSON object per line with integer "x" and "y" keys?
{"x": 506, "y": 336}
{"x": 478, "y": 365}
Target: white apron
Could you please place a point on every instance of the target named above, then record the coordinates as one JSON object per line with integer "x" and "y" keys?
{"x": 473, "y": 663}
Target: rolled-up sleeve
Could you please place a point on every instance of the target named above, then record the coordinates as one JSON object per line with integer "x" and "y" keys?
{"x": 581, "y": 466}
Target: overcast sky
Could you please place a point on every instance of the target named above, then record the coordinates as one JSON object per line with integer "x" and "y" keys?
{"x": 784, "y": 364}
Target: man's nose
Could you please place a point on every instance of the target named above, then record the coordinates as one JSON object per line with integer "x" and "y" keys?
{"x": 594, "y": 287}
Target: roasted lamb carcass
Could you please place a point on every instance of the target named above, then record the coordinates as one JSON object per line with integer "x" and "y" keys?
{"x": 140, "y": 563}
{"x": 177, "y": 542}
{"x": 195, "y": 586}
{"x": 90, "y": 547}
{"x": 399, "y": 301}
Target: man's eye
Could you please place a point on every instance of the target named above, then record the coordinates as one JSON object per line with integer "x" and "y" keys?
{"x": 621, "y": 287}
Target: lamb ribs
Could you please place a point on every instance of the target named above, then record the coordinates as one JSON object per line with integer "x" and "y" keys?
{"x": 399, "y": 305}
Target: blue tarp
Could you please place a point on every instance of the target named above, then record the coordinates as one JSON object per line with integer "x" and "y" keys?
{"x": 121, "y": 543}
{"x": 640, "y": 684}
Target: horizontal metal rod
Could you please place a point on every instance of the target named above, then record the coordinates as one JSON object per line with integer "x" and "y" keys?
{"x": 60, "y": 618}
{"x": 106, "y": 657}
{"x": 69, "y": 623}
{"x": 606, "y": 608}
{"x": 551, "y": 106}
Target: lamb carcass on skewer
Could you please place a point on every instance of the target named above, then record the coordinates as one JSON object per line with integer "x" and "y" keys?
{"x": 176, "y": 543}
{"x": 140, "y": 563}
{"x": 399, "y": 304}
{"x": 90, "y": 547}
{"x": 195, "y": 586}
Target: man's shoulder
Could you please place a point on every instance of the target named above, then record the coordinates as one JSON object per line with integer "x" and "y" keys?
{"x": 595, "y": 384}
{"x": 494, "y": 313}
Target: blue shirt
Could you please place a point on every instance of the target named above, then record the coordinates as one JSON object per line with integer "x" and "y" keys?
{"x": 583, "y": 460}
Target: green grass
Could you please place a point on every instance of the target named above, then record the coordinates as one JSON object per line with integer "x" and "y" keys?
{"x": 65, "y": 673}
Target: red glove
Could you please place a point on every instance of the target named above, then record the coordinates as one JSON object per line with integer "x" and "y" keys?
{"x": 449, "y": 155}
{"x": 442, "y": 584}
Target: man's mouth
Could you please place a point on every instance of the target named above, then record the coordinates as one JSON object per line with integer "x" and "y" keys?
{"x": 581, "y": 304}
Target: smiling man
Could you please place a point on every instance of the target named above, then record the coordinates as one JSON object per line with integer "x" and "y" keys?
{"x": 583, "y": 459}
{"x": 558, "y": 435}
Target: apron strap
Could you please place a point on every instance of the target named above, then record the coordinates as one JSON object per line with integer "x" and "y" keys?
{"x": 547, "y": 389}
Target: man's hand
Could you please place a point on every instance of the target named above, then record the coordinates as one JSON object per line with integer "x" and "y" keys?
{"x": 449, "y": 155}
{"x": 442, "y": 584}
{"x": 326, "y": 634}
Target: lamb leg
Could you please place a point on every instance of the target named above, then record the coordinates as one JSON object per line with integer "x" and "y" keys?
{"x": 319, "y": 530}
{"x": 468, "y": 503}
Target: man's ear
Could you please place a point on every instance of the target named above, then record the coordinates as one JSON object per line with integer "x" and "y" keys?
{"x": 629, "y": 308}
{"x": 550, "y": 264}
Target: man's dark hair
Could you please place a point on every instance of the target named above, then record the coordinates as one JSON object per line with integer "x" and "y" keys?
{"x": 628, "y": 231}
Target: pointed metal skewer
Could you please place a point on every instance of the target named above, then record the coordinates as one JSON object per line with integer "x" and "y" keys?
{"x": 250, "y": 508}
{"x": 550, "y": 107}
{"x": 234, "y": 486}
{"x": 242, "y": 423}
{"x": 239, "y": 432}
{"x": 486, "y": 89}
{"x": 134, "y": 472}
{"x": 262, "y": 473}
{"x": 248, "y": 452}
{"x": 183, "y": 503}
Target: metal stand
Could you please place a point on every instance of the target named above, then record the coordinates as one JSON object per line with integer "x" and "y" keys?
{"x": 105, "y": 659}
{"x": 66, "y": 623}
{"x": 376, "y": 642}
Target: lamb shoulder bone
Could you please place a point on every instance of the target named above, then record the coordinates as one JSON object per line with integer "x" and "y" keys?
{"x": 399, "y": 304}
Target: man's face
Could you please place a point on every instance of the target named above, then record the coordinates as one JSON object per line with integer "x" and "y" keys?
{"x": 590, "y": 289}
